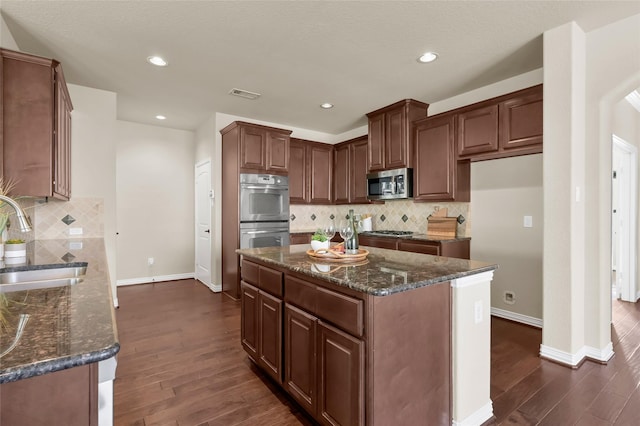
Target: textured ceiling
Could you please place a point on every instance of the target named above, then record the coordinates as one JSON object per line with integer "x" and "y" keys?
{"x": 359, "y": 56}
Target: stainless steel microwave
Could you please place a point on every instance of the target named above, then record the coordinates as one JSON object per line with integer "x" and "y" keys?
{"x": 390, "y": 184}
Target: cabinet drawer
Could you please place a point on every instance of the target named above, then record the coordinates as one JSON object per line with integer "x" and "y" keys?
{"x": 433, "y": 249}
{"x": 249, "y": 272}
{"x": 341, "y": 310}
{"x": 270, "y": 281}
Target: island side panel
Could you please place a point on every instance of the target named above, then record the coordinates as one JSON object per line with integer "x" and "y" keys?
{"x": 409, "y": 357}
{"x": 471, "y": 349}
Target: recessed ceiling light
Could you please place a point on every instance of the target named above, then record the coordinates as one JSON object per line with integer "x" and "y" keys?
{"x": 161, "y": 117}
{"x": 428, "y": 57}
{"x": 326, "y": 105}
{"x": 157, "y": 61}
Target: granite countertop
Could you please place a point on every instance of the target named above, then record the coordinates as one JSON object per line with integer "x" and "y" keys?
{"x": 68, "y": 326}
{"x": 416, "y": 236}
{"x": 383, "y": 273}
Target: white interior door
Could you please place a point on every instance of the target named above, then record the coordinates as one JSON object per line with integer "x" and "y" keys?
{"x": 203, "y": 222}
{"x": 623, "y": 218}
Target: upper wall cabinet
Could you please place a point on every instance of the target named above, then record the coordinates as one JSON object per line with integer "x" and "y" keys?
{"x": 310, "y": 172}
{"x": 438, "y": 176}
{"x": 262, "y": 149}
{"x": 390, "y": 144}
{"x": 35, "y": 136}
{"x": 505, "y": 126}
{"x": 350, "y": 171}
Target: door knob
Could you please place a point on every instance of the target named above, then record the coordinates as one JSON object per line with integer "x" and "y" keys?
{"x": 207, "y": 231}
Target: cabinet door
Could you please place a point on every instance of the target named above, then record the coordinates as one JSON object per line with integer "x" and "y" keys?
{"x": 249, "y": 319}
{"x": 340, "y": 377}
{"x": 270, "y": 335}
{"x": 341, "y": 182}
{"x": 300, "y": 357}
{"x": 395, "y": 139}
{"x": 434, "y": 174}
{"x": 62, "y": 139}
{"x": 298, "y": 176}
{"x": 420, "y": 247}
{"x": 380, "y": 242}
{"x": 321, "y": 169}
{"x": 277, "y": 152}
{"x": 358, "y": 173}
{"x": 521, "y": 121}
{"x": 477, "y": 131}
{"x": 376, "y": 142}
{"x": 252, "y": 148}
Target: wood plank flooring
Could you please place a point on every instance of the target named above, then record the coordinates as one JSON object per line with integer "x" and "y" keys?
{"x": 181, "y": 363}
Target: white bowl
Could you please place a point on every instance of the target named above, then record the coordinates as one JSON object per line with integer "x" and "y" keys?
{"x": 317, "y": 245}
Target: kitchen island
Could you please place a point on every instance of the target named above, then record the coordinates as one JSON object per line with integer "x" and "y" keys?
{"x": 401, "y": 338}
{"x": 63, "y": 360}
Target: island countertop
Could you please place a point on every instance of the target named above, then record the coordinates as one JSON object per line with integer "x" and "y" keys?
{"x": 383, "y": 273}
{"x": 68, "y": 326}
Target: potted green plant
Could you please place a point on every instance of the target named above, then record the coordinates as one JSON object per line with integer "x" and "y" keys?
{"x": 319, "y": 240}
{"x": 15, "y": 248}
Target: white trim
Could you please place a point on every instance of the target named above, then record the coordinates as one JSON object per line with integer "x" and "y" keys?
{"x": 634, "y": 99}
{"x": 159, "y": 278}
{"x": 471, "y": 280}
{"x": 480, "y": 416}
{"x": 601, "y": 355}
{"x": 514, "y": 316}
{"x": 195, "y": 222}
{"x": 115, "y": 302}
{"x": 216, "y": 288}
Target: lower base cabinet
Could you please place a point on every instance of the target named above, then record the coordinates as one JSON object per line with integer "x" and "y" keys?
{"x": 67, "y": 397}
{"x": 346, "y": 357}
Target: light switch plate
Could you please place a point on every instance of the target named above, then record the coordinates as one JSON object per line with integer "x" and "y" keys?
{"x": 528, "y": 222}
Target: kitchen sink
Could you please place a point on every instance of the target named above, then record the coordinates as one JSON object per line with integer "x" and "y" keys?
{"x": 41, "y": 278}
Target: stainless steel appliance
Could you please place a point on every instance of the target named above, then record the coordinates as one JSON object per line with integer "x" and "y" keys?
{"x": 388, "y": 233}
{"x": 390, "y": 184}
{"x": 264, "y": 234}
{"x": 264, "y": 198}
{"x": 264, "y": 210}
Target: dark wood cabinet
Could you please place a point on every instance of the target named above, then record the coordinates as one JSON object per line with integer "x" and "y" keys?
{"x": 310, "y": 172}
{"x": 380, "y": 242}
{"x": 350, "y": 171}
{"x": 300, "y": 357}
{"x": 346, "y": 361}
{"x": 500, "y": 127}
{"x": 246, "y": 148}
{"x": 438, "y": 176}
{"x": 67, "y": 397}
{"x": 263, "y": 149}
{"x": 35, "y": 129}
{"x": 340, "y": 377}
{"x": 261, "y": 320}
{"x": 460, "y": 249}
{"x": 389, "y": 137}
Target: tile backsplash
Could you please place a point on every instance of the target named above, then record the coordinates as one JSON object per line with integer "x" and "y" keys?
{"x": 401, "y": 215}
{"x": 54, "y": 219}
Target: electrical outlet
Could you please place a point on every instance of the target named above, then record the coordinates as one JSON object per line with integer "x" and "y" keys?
{"x": 150, "y": 261}
{"x": 477, "y": 311}
{"x": 75, "y": 231}
{"x": 509, "y": 297}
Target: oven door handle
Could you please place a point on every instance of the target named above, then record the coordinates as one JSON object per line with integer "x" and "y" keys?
{"x": 265, "y": 187}
{"x": 263, "y": 232}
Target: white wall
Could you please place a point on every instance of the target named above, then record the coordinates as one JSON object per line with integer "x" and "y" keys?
{"x": 502, "y": 192}
{"x": 6, "y": 38}
{"x": 155, "y": 195}
{"x": 93, "y": 154}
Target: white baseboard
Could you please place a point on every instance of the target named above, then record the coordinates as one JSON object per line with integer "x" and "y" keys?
{"x": 573, "y": 360}
{"x": 158, "y": 278}
{"x": 216, "y": 288}
{"x": 514, "y": 316}
{"x": 480, "y": 416}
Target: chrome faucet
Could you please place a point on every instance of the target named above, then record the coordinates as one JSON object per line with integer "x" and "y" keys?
{"x": 23, "y": 219}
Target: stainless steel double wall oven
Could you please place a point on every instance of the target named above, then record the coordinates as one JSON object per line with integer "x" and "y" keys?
{"x": 264, "y": 210}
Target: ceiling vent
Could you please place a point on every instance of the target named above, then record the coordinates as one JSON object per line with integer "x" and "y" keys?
{"x": 244, "y": 94}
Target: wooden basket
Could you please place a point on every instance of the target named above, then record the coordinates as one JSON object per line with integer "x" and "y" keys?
{"x": 442, "y": 227}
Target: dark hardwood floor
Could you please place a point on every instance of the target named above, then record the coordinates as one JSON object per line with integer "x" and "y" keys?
{"x": 181, "y": 363}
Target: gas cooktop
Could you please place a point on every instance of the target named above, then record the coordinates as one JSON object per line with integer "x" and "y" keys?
{"x": 389, "y": 233}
